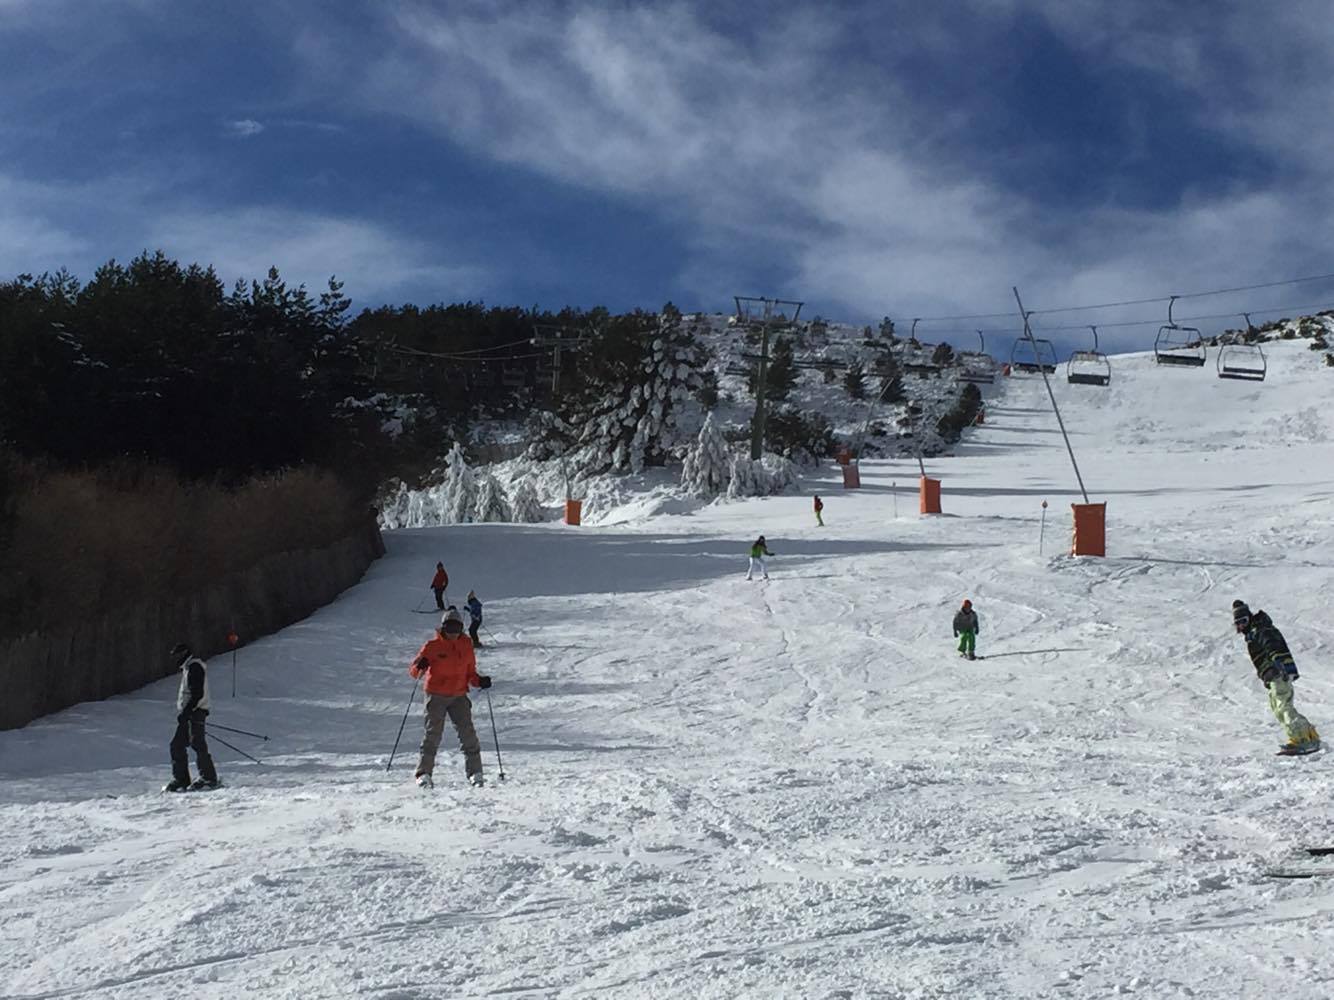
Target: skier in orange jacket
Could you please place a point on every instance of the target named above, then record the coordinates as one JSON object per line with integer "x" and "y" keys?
{"x": 450, "y": 668}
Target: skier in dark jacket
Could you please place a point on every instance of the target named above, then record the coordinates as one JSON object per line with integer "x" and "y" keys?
{"x": 966, "y": 629}
{"x": 191, "y": 711}
{"x": 1277, "y": 670}
{"x": 474, "y": 607}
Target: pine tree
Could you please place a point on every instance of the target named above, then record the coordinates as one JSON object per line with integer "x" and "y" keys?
{"x": 526, "y": 509}
{"x": 627, "y": 407}
{"x": 781, "y": 377}
{"x": 491, "y": 504}
{"x": 855, "y": 381}
{"x": 460, "y": 488}
{"x": 707, "y": 468}
{"x": 891, "y": 378}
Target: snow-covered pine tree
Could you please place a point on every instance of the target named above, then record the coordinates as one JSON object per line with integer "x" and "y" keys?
{"x": 707, "y": 468}
{"x": 460, "y": 488}
{"x": 627, "y": 410}
{"x": 525, "y": 507}
{"x": 491, "y": 504}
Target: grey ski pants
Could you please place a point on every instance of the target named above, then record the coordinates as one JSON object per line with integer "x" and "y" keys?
{"x": 459, "y": 710}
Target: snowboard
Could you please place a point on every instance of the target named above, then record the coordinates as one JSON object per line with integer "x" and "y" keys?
{"x": 1293, "y": 874}
{"x": 1286, "y": 751}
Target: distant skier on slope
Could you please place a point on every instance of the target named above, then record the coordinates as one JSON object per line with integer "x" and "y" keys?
{"x": 819, "y": 510}
{"x": 474, "y": 607}
{"x": 1277, "y": 670}
{"x": 450, "y": 668}
{"x": 439, "y": 584}
{"x": 191, "y": 711}
{"x": 966, "y": 629}
{"x": 757, "y": 553}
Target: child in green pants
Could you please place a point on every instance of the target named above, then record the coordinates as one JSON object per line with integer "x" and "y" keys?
{"x": 965, "y": 630}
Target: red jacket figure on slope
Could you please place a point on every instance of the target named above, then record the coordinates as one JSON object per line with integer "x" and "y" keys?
{"x": 450, "y": 668}
{"x": 439, "y": 584}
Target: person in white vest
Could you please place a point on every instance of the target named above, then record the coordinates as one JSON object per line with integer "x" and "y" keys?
{"x": 191, "y": 711}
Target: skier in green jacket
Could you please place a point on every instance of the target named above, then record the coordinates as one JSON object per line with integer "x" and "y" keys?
{"x": 757, "y": 553}
{"x": 965, "y": 630}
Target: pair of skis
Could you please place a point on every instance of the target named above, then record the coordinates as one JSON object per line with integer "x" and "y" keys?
{"x": 1296, "y": 873}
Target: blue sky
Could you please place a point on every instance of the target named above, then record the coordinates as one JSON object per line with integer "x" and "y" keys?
{"x": 868, "y": 158}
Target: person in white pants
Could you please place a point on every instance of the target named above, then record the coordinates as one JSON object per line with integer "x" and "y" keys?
{"x": 757, "y": 553}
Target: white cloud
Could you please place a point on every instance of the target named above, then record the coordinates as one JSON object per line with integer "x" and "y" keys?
{"x": 243, "y": 128}
{"x": 764, "y": 150}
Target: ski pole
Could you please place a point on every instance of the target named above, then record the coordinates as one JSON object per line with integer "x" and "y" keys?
{"x": 419, "y": 605}
{"x": 402, "y": 724}
{"x": 499, "y": 763}
{"x": 229, "y": 729}
{"x": 490, "y": 633}
{"x": 1042, "y": 529}
{"x": 219, "y": 739}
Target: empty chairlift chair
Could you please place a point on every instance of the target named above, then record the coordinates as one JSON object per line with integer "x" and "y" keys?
{"x": 1178, "y": 345}
{"x": 1033, "y": 354}
{"x": 978, "y": 366}
{"x": 1089, "y": 367}
{"x": 1242, "y": 361}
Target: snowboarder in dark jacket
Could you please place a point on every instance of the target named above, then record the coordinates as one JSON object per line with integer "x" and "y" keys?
{"x": 474, "y": 607}
{"x": 1277, "y": 670}
{"x": 966, "y": 629}
{"x": 191, "y": 711}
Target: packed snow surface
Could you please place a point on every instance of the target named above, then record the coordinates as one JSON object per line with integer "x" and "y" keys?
{"x": 720, "y": 788}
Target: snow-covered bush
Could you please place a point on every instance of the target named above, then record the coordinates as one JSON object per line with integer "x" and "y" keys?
{"x": 707, "y": 469}
{"x": 525, "y": 507}
{"x": 491, "y": 504}
{"x": 746, "y": 479}
{"x": 781, "y": 472}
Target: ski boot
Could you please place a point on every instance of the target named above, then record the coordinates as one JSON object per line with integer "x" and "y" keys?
{"x": 476, "y": 780}
{"x": 424, "y": 781}
{"x": 177, "y": 785}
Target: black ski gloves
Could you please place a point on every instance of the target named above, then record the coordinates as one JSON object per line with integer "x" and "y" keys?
{"x": 483, "y": 681}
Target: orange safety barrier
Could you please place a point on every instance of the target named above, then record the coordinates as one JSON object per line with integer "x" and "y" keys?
{"x": 573, "y": 508}
{"x": 929, "y": 492}
{"x": 852, "y": 477}
{"x": 1090, "y": 537}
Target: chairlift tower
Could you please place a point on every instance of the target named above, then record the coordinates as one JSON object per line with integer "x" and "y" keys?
{"x": 556, "y": 338}
{"x": 763, "y": 315}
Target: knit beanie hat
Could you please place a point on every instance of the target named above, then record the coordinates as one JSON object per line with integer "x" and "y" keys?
{"x": 1241, "y": 614}
{"x": 967, "y": 605}
{"x": 452, "y": 622}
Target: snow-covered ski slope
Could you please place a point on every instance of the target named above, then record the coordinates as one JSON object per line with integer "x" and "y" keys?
{"x": 790, "y": 788}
